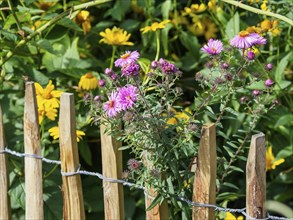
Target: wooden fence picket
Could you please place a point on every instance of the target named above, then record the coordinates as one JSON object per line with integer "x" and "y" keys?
{"x": 204, "y": 187}
{"x": 4, "y": 180}
{"x": 73, "y": 207}
{"x": 33, "y": 166}
{"x": 112, "y": 168}
{"x": 256, "y": 178}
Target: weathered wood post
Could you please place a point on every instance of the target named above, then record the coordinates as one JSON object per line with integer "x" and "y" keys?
{"x": 204, "y": 187}
{"x": 160, "y": 211}
{"x": 4, "y": 180}
{"x": 33, "y": 166}
{"x": 73, "y": 207}
{"x": 112, "y": 168}
{"x": 256, "y": 178}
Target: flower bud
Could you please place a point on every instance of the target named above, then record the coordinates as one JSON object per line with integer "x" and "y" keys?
{"x": 102, "y": 83}
{"x": 225, "y": 65}
{"x": 255, "y": 92}
{"x": 250, "y": 55}
{"x": 269, "y": 83}
{"x": 269, "y": 67}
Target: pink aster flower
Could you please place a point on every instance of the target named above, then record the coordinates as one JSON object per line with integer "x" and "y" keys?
{"x": 246, "y": 40}
{"x": 112, "y": 107}
{"x": 213, "y": 47}
{"x": 127, "y": 58}
{"x": 127, "y": 97}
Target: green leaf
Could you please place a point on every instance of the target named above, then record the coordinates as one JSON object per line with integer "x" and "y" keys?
{"x": 286, "y": 152}
{"x": 8, "y": 35}
{"x": 119, "y": 10}
{"x": 281, "y": 67}
{"x": 190, "y": 42}
{"x": 46, "y": 45}
{"x": 233, "y": 26}
{"x": 68, "y": 23}
{"x": 259, "y": 85}
{"x": 282, "y": 85}
{"x": 22, "y": 17}
{"x": 17, "y": 194}
{"x": 52, "y": 203}
{"x": 166, "y": 7}
{"x": 284, "y": 120}
{"x": 155, "y": 202}
{"x": 85, "y": 152}
{"x": 231, "y": 185}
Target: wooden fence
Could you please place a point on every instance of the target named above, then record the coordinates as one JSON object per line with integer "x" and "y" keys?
{"x": 204, "y": 187}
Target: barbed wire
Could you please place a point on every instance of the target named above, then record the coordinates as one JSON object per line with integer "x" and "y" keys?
{"x": 126, "y": 183}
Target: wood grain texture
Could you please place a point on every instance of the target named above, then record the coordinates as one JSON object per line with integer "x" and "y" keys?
{"x": 73, "y": 206}
{"x": 160, "y": 211}
{"x": 33, "y": 166}
{"x": 4, "y": 180}
{"x": 112, "y": 167}
{"x": 204, "y": 187}
{"x": 256, "y": 178}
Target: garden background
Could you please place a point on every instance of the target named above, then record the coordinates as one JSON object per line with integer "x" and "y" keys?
{"x": 66, "y": 46}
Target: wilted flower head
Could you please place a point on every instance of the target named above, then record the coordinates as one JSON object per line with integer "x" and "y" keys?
{"x": 127, "y": 58}
{"x": 82, "y": 18}
{"x": 245, "y": 40}
{"x": 127, "y": 97}
{"x": 269, "y": 83}
{"x": 133, "y": 164}
{"x": 112, "y": 107}
{"x": 213, "y": 47}
{"x": 131, "y": 69}
{"x": 116, "y": 37}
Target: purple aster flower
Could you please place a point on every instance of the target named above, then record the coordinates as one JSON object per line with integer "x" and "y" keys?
{"x": 111, "y": 106}
{"x": 258, "y": 39}
{"x": 169, "y": 68}
{"x": 246, "y": 40}
{"x": 127, "y": 97}
{"x": 213, "y": 47}
{"x": 269, "y": 83}
{"x": 250, "y": 55}
{"x": 127, "y": 58}
{"x": 131, "y": 69}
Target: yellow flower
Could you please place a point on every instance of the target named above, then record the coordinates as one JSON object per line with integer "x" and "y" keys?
{"x": 212, "y": 4}
{"x": 45, "y": 5}
{"x": 82, "y": 18}
{"x": 179, "y": 116}
{"x": 204, "y": 27}
{"x": 271, "y": 163}
{"x": 230, "y": 216}
{"x": 196, "y": 8}
{"x": 187, "y": 183}
{"x": 264, "y": 6}
{"x": 155, "y": 26}
{"x": 115, "y": 37}
{"x": 88, "y": 82}
{"x": 47, "y": 96}
{"x": 270, "y": 26}
{"x": 54, "y": 132}
{"x": 48, "y": 112}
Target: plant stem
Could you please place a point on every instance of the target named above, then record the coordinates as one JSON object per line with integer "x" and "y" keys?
{"x": 23, "y": 42}
{"x": 112, "y": 57}
{"x": 158, "y": 45}
{"x": 259, "y": 11}
{"x": 14, "y": 15}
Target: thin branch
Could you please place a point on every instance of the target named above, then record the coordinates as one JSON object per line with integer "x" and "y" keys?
{"x": 259, "y": 11}
{"x": 21, "y": 43}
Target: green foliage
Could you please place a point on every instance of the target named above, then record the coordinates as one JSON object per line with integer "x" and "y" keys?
{"x": 41, "y": 43}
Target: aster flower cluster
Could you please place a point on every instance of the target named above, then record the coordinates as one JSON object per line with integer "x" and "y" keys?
{"x": 121, "y": 99}
{"x": 244, "y": 41}
{"x": 164, "y": 66}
